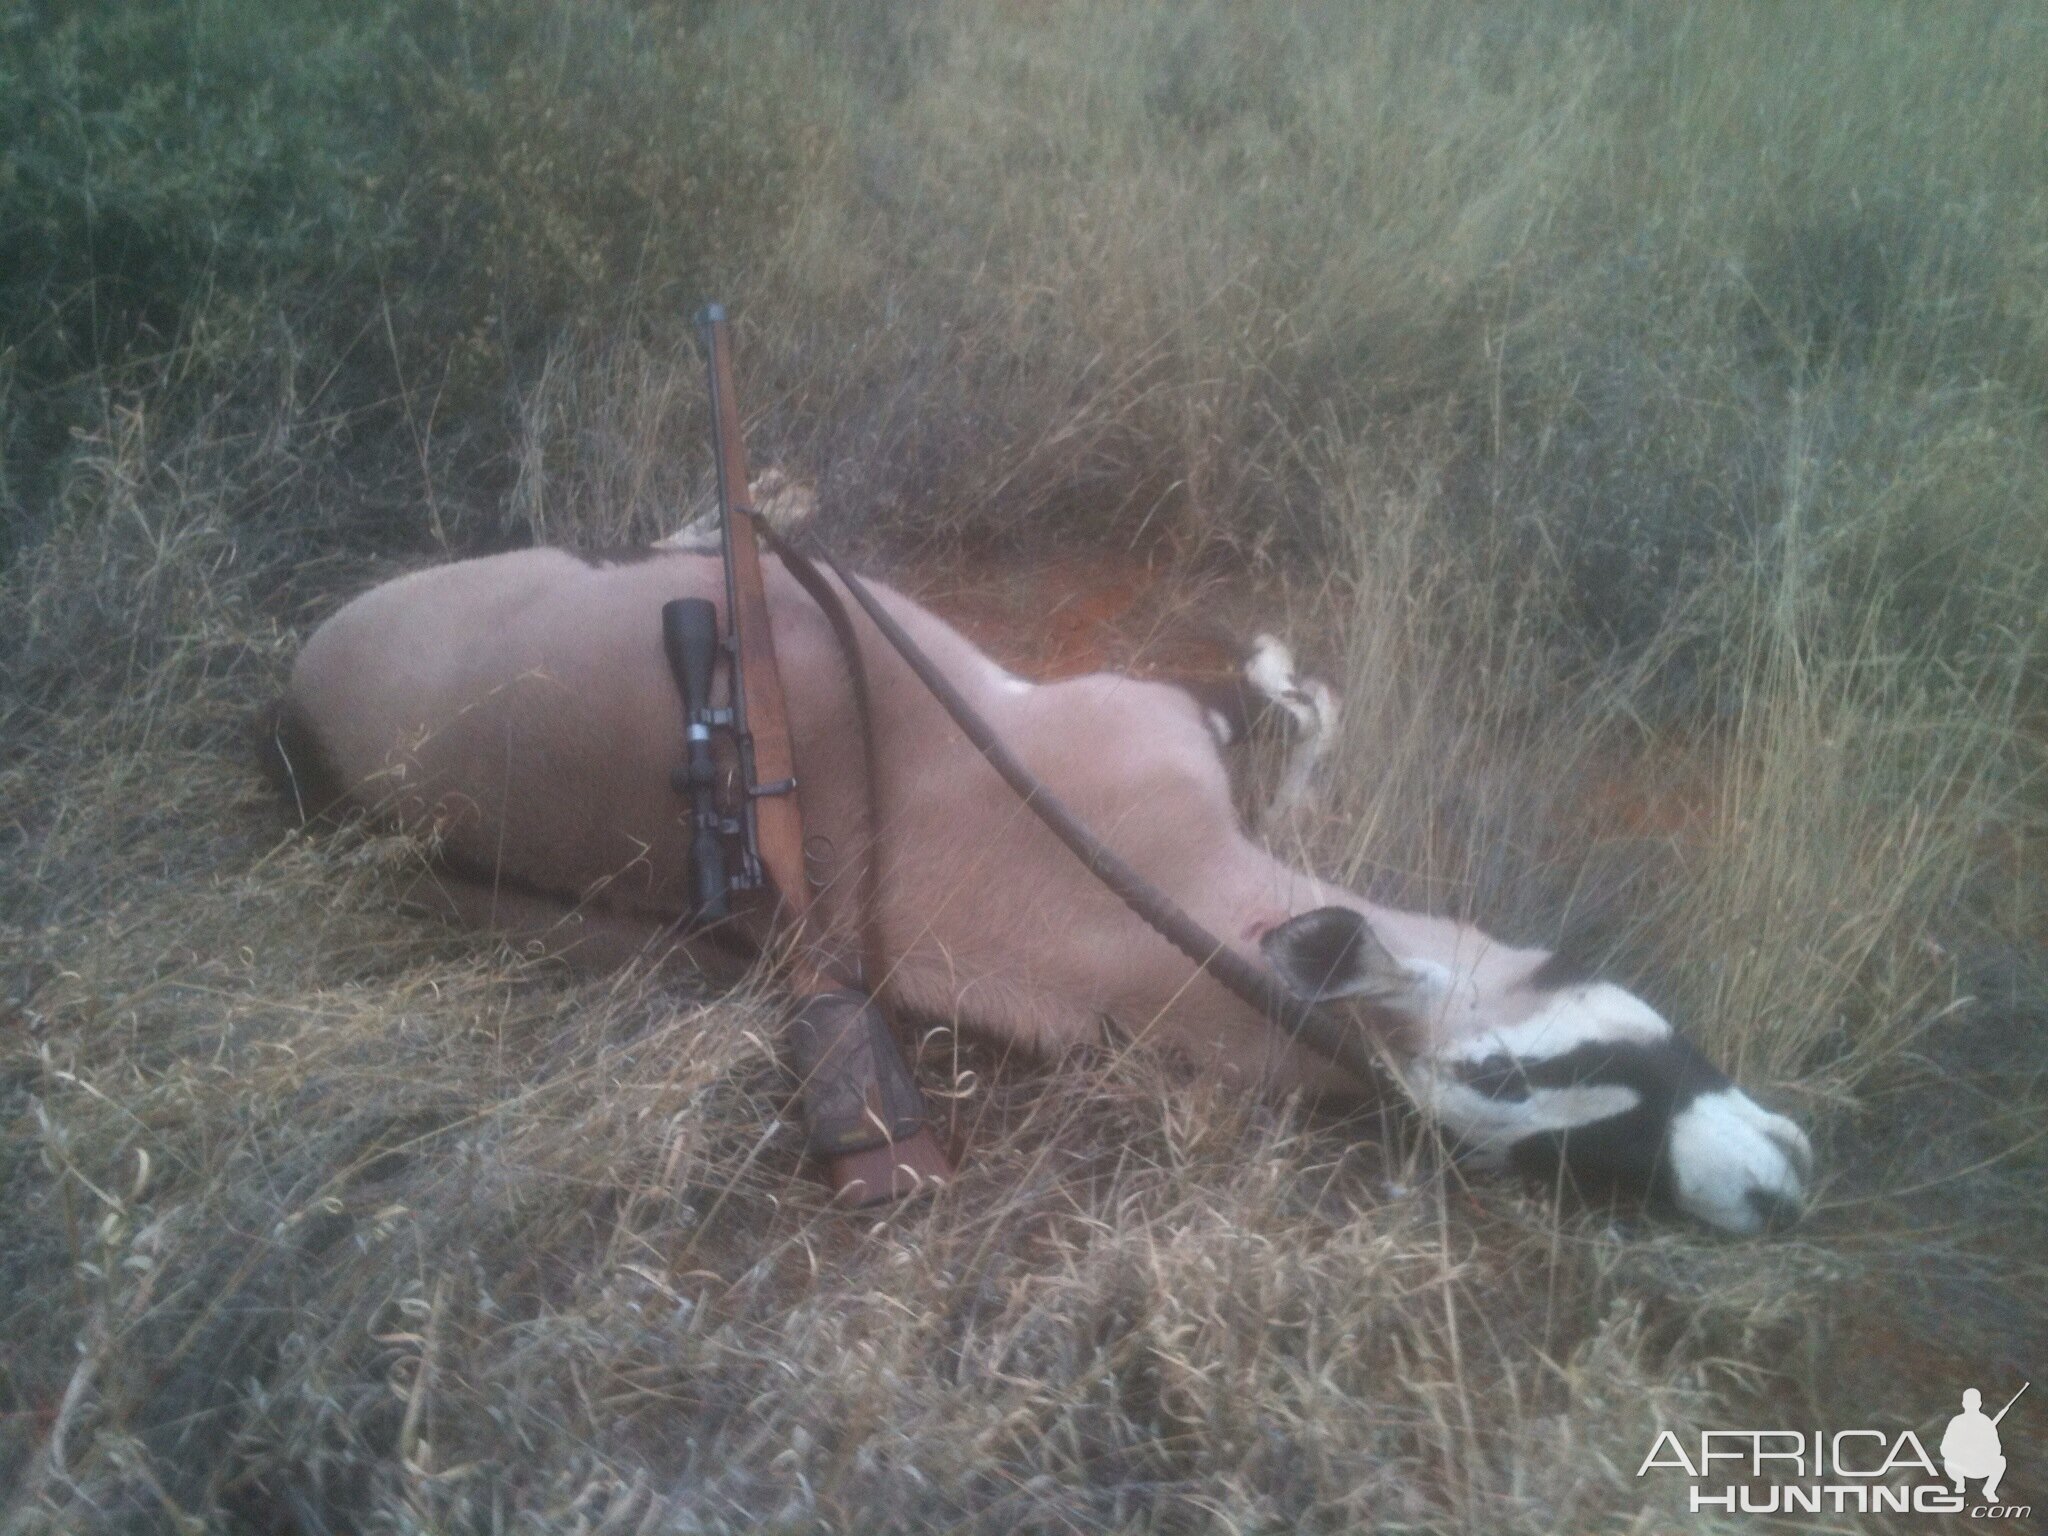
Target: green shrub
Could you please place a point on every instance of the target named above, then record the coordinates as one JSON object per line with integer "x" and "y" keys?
{"x": 169, "y": 173}
{"x": 160, "y": 155}
{"x": 1100, "y": 274}
{"x": 423, "y": 196}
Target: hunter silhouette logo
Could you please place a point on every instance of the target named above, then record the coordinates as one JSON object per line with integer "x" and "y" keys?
{"x": 1970, "y": 1447}
{"x": 1845, "y": 1471}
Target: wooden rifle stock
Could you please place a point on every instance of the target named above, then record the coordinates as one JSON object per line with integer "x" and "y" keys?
{"x": 767, "y": 761}
{"x": 866, "y": 1118}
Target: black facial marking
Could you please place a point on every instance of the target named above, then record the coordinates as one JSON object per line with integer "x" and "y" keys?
{"x": 1230, "y": 698}
{"x": 1621, "y": 1156}
{"x": 1247, "y": 710}
{"x": 1669, "y": 1071}
{"x": 1501, "y": 1077}
{"x": 1575, "y": 961}
{"x": 1776, "y": 1211}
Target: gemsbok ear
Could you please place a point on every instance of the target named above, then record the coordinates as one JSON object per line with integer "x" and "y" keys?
{"x": 1332, "y": 952}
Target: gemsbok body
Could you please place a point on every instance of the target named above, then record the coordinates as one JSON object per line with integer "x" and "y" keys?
{"x": 519, "y": 710}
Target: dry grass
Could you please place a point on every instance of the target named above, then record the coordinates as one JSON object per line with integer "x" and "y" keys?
{"x": 1668, "y": 505}
{"x": 346, "y": 1217}
{"x": 1804, "y": 858}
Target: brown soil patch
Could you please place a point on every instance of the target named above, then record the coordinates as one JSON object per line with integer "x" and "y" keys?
{"x": 1063, "y": 618}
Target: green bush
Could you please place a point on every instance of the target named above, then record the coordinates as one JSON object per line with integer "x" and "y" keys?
{"x": 168, "y": 173}
{"x": 417, "y": 198}
{"x": 158, "y": 157}
{"x": 1090, "y": 273}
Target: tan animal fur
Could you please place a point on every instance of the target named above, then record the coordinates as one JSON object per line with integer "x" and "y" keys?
{"x": 521, "y": 708}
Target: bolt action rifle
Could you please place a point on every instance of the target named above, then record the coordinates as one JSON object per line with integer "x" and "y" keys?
{"x": 865, "y": 1119}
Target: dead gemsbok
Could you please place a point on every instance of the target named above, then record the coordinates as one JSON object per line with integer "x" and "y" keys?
{"x": 519, "y": 707}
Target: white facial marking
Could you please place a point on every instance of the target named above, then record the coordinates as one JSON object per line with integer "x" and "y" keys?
{"x": 1724, "y": 1147}
{"x": 1323, "y": 703}
{"x": 1597, "y": 1013}
{"x": 1270, "y": 667}
{"x": 1490, "y": 1126}
{"x": 1730, "y": 1163}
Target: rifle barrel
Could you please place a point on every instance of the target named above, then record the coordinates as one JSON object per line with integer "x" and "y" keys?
{"x": 761, "y": 719}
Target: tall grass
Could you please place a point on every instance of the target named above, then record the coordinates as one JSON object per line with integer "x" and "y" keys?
{"x": 1780, "y": 880}
{"x": 1639, "y": 408}
{"x": 1607, "y": 255}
